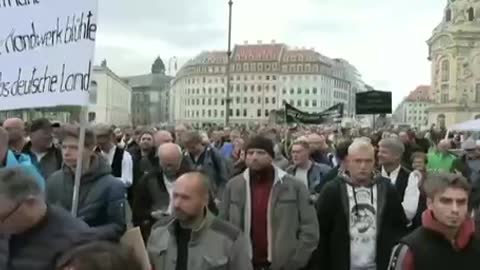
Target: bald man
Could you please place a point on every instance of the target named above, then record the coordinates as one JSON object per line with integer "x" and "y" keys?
{"x": 162, "y": 137}
{"x": 361, "y": 216}
{"x": 3, "y": 146}
{"x": 16, "y": 133}
{"x": 152, "y": 195}
{"x": 220, "y": 242}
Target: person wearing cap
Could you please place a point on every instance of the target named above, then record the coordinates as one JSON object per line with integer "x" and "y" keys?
{"x": 44, "y": 155}
{"x": 273, "y": 209}
{"x": 120, "y": 160}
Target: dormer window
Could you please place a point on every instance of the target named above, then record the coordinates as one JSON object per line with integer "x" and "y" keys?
{"x": 448, "y": 15}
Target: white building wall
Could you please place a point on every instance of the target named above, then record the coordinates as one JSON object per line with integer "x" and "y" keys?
{"x": 113, "y": 104}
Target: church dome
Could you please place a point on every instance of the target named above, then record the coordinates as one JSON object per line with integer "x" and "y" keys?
{"x": 158, "y": 66}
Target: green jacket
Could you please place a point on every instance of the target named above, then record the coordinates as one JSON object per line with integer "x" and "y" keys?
{"x": 439, "y": 162}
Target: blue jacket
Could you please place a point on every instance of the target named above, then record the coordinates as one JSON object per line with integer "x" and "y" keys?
{"x": 23, "y": 161}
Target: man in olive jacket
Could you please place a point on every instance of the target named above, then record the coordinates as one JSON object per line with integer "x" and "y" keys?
{"x": 193, "y": 238}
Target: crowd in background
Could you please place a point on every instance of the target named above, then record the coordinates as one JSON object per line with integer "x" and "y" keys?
{"x": 274, "y": 197}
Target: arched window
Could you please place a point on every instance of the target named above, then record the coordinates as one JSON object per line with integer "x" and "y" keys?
{"x": 448, "y": 15}
{"x": 445, "y": 70}
{"x": 470, "y": 13}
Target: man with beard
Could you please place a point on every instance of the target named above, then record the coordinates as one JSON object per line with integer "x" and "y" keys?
{"x": 193, "y": 238}
{"x": 263, "y": 191}
{"x": 153, "y": 193}
{"x": 147, "y": 160}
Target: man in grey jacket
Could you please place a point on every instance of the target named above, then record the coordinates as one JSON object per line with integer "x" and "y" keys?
{"x": 273, "y": 209}
{"x": 193, "y": 238}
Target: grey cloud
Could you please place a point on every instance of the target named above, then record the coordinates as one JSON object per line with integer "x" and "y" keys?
{"x": 182, "y": 24}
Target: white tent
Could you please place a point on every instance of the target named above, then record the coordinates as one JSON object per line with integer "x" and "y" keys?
{"x": 470, "y": 125}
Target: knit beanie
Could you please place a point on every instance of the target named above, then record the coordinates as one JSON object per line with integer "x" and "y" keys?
{"x": 263, "y": 143}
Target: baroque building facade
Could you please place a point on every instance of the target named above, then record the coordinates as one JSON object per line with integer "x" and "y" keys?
{"x": 262, "y": 78}
{"x": 454, "y": 52}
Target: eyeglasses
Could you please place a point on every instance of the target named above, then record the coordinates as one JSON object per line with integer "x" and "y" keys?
{"x": 11, "y": 212}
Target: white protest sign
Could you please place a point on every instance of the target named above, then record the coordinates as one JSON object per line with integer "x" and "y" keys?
{"x": 46, "y": 52}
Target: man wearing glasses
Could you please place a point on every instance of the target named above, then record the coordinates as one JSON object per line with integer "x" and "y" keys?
{"x": 33, "y": 235}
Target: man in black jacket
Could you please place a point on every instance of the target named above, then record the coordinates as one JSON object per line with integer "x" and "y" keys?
{"x": 390, "y": 153}
{"x": 43, "y": 153}
{"x": 447, "y": 238}
{"x": 102, "y": 197}
{"x": 33, "y": 235}
{"x": 152, "y": 195}
{"x": 360, "y": 216}
{"x": 341, "y": 151}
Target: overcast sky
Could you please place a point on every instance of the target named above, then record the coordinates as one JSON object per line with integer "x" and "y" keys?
{"x": 384, "y": 39}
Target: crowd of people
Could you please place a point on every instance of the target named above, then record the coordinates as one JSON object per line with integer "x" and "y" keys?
{"x": 271, "y": 198}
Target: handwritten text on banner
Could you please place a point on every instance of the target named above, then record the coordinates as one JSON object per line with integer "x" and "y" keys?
{"x": 46, "y": 52}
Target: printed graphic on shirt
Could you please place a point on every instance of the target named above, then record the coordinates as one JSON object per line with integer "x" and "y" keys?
{"x": 363, "y": 226}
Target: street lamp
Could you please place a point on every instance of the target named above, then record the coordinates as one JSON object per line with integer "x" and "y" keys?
{"x": 229, "y": 54}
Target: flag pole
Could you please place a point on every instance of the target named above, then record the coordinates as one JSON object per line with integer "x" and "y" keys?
{"x": 79, "y": 167}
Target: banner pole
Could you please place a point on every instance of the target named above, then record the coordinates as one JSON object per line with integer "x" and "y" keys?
{"x": 79, "y": 169}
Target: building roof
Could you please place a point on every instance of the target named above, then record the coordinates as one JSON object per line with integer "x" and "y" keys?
{"x": 212, "y": 57}
{"x": 258, "y": 52}
{"x": 300, "y": 55}
{"x": 154, "y": 80}
{"x": 421, "y": 93}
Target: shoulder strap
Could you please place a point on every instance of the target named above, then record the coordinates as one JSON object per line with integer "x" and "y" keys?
{"x": 398, "y": 255}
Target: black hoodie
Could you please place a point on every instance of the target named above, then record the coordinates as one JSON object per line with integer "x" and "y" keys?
{"x": 102, "y": 197}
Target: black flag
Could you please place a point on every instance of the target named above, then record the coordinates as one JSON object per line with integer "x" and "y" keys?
{"x": 332, "y": 114}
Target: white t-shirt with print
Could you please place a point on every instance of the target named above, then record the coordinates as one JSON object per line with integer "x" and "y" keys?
{"x": 363, "y": 227}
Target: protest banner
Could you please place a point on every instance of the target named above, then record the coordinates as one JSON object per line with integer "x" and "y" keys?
{"x": 46, "y": 57}
{"x": 46, "y": 52}
{"x": 330, "y": 115}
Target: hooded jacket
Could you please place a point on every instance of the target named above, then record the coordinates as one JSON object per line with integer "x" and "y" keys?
{"x": 428, "y": 247}
{"x": 24, "y": 162}
{"x": 333, "y": 214}
{"x": 101, "y": 201}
